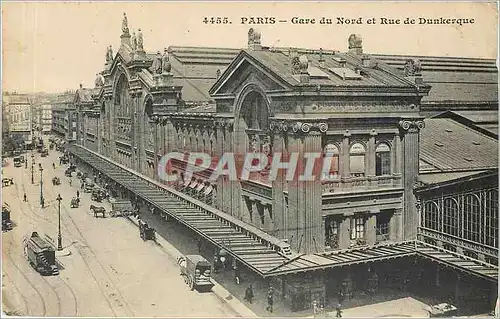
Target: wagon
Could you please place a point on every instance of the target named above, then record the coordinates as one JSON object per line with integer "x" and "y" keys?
{"x": 146, "y": 232}
{"x": 98, "y": 194}
{"x": 6, "y": 181}
{"x": 75, "y": 202}
{"x": 196, "y": 271}
{"x": 56, "y": 181}
{"x": 121, "y": 208}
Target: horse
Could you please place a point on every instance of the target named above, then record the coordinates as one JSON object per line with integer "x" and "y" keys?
{"x": 98, "y": 210}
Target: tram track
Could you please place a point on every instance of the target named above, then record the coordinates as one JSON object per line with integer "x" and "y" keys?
{"x": 36, "y": 218}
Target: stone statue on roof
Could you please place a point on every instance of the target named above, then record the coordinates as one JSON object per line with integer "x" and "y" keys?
{"x": 156, "y": 66}
{"x": 125, "y": 24}
{"x": 109, "y": 54}
{"x": 98, "y": 80}
{"x": 134, "y": 41}
{"x": 140, "y": 43}
{"x": 165, "y": 60}
{"x": 253, "y": 36}
{"x": 412, "y": 67}
{"x": 355, "y": 41}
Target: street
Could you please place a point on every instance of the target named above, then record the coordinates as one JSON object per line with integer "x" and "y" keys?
{"x": 111, "y": 271}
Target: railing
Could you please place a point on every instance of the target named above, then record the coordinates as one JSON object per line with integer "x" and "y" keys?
{"x": 457, "y": 242}
{"x": 338, "y": 185}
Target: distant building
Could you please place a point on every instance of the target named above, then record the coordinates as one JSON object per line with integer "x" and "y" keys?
{"x": 63, "y": 121}
{"x": 19, "y": 116}
{"x": 45, "y": 118}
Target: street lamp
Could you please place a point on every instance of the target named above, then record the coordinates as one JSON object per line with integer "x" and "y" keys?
{"x": 32, "y": 164}
{"x": 41, "y": 186}
{"x": 59, "y": 237}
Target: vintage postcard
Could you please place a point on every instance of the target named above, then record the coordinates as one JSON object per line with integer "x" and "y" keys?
{"x": 249, "y": 159}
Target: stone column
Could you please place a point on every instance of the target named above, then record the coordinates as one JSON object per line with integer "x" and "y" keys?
{"x": 410, "y": 159}
{"x": 219, "y": 150}
{"x": 112, "y": 153}
{"x": 344, "y": 156}
{"x": 371, "y": 229}
{"x": 156, "y": 147}
{"x": 278, "y": 186}
{"x": 305, "y": 196}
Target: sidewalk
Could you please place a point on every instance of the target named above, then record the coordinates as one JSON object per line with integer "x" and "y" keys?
{"x": 218, "y": 290}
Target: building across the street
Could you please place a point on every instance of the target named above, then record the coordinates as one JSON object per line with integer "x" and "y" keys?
{"x": 63, "y": 120}
{"x": 410, "y": 199}
{"x": 19, "y": 114}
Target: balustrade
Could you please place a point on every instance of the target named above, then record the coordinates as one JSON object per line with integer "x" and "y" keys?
{"x": 337, "y": 184}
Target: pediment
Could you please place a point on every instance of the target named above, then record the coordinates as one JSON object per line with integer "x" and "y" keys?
{"x": 245, "y": 69}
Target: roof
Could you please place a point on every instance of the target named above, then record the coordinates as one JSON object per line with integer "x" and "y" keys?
{"x": 345, "y": 257}
{"x": 454, "y": 80}
{"x": 279, "y": 62}
{"x": 457, "y": 261}
{"x": 195, "y": 68}
{"x": 18, "y": 99}
{"x": 436, "y": 178}
{"x": 448, "y": 145}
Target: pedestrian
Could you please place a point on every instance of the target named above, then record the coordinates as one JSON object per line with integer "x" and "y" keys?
{"x": 270, "y": 300}
{"x": 237, "y": 275}
{"x": 216, "y": 264}
{"x": 70, "y": 181}
{"x": 338, "y": 311}
{"x": 200, "y": 244}
{"x": 77, "y": 194}
{"x": 25, "y": 197}
{"x": 43, "y": 203}
{"x": 249, "y": 294}
{"x": 54, "y": 165}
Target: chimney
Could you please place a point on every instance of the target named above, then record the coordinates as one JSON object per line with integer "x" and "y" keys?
{"x": 254, "y": 40}
{"x": 365, "y": 60}
{"x": 321, "y": 59}
{"x": 81, "y": 86}
{"x": 341, "y": 63}
{"x": 355, "y": 44}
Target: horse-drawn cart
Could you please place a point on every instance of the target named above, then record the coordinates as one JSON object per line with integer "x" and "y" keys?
{"x": 121, "y": 208}
{"x": 56, "y": 181}
{"x": 146, "y": 231}
{"x": 75, "y": 202}
{"x": 98, "y": 194}
{"x": 98, "y": 210}
{"x": 6, "y": 181}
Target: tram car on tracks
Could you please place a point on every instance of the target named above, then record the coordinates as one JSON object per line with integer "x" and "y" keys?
{"x": 41, "y": 255}
{"x": 196, "y": 271}
{"x": 6, "y": 221}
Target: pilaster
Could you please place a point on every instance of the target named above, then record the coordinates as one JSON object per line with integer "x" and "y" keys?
{"x": 344, "y": 232}
{"x": 410, "y": 160}
{"x": 371, "y": 229}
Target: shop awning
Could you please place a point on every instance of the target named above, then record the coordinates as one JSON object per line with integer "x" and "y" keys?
{"x": 457, "y": 261}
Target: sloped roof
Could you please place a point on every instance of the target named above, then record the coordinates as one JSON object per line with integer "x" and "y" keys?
{"x": 452, "y": 146}
{"x": 85, "y": 95}
{"x": 279, "y": 62}
{"x": 195, "y": 68}
{"x": 453, "y": 79}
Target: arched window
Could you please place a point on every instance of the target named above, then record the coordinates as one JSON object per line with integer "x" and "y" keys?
{"x": 382, "y": 160}
{"x": 450, "y": 217}
{"x": 332, "y": 151}
{"x": 491, "y": 211}
{"x": 357, "y": 160}
{"x": 431, "y": 216}
{"x": 471, "y": 218}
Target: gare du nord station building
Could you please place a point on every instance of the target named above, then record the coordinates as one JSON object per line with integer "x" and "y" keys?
{"x": 411, "y": 197}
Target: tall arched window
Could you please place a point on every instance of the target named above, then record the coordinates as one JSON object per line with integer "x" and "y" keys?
{"x": 382, "y": 160}
{"x": 431, "y": 216}
{"x": 450, "y": 217}
{"x": 357, "y": 160}
{"x": 491, "y": 211}
{"x": 332, "y": 151}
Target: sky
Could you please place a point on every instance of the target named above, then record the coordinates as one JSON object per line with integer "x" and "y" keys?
{"x": 56, "y": 46}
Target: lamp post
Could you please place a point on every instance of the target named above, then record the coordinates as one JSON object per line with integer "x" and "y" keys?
{"x": 32, "y": 164}
{"x": 41, "y": 186}
{"x": 59, "y": 237}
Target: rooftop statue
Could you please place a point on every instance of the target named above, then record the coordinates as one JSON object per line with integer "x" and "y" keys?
{"x": 134, "y": 41}
{"x": 156, "y": 66}
{"x": 140, "y": 44}
{"x": 98, "y": 80}
{"x": 125, "y": 24}
{"x": 165, "y": 60}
